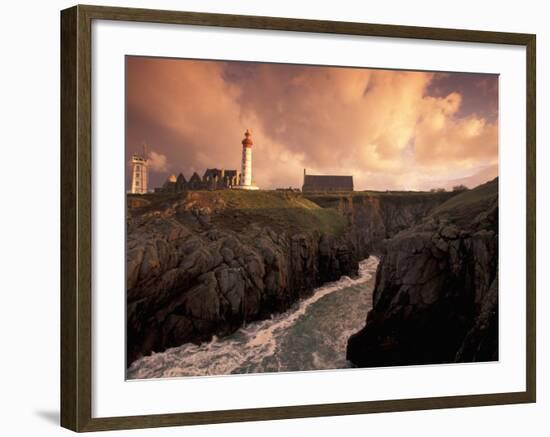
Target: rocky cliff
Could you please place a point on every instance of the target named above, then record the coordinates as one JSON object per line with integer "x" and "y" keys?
{"x": 436, "y": 292}
{"x": 373, "y": 217}
{"x": 204, "y": 263}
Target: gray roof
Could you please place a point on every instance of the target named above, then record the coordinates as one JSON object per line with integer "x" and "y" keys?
{"x": 327, "y": 183}
{"x": 195, "y": 177}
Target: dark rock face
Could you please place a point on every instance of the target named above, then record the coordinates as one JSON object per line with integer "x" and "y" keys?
{"x": 374, "y": 218}
{"x": 436, "y": 292}
{"x": 190, "y": 275}
{"x": 188, "y": 279}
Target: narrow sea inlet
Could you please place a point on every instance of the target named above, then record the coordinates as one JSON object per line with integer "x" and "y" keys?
{"x": 311, "y": 335}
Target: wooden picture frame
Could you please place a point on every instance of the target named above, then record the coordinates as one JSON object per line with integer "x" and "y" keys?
{"x": 76, "y": 218}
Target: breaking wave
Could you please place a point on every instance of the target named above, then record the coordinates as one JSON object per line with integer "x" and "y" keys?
{"x": 311, "y": 335}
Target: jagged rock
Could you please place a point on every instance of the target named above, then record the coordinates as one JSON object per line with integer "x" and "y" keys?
{"x": 436, "y": 293}
{"x": 197, "y": 267}
{"x": 133, "y": 264}
{"x": 176, "y": 330}
{"x": 202, "y": 301}
{"x": 227, "y": 254}
{"x": 449, "y": 232}
{"x": 481, "y": 341}
{"x": 232, "y": 287}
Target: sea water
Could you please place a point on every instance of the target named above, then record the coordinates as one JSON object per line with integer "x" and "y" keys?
{"x": 311, "y": 335}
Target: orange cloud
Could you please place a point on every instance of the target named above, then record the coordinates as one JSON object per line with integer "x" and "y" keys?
{"x": 158, "y": 162}
{"x": 382, "y": 126}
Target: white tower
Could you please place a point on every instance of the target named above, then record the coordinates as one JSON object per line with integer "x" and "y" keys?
{"x": 246, "y": 169}
{"x": 139, "y": 173}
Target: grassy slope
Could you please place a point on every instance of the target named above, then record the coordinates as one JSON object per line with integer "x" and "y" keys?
{"x": 311, "y": 212}
{"x": 465, "y": 206}
{"x": 278, "y": 210}
{"x": 236, "y": 209}
{"x": 406, "y": 197}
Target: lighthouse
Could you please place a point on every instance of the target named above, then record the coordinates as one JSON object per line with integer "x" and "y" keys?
{"x": 139, "y": 173}
{"x": 246, "y": 164}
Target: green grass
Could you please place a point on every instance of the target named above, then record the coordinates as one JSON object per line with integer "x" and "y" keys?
{"x": 335, "y": 200}
{"x": 371, "y": 193}
{"x": 306, "y": 212}
{"x": 238, "y": 209}
{"x": 243, "y": 199}
{"x": 465, "y": 206}
{"x": 281, "y": 211}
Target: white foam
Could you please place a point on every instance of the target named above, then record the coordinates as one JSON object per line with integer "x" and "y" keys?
{"x": 251, "y": 344}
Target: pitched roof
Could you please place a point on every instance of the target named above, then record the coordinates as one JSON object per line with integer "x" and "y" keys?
{"x": 327, "y": 183}
{"x": 195, "y": 177}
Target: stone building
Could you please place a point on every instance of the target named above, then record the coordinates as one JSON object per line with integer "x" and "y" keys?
{"x": 169, "y": 186}
{"x": 139, "y": 174}
{"x": 195, "y": 183}
{"x": 219, "y": 179}
{"x": 213, "y": 179}
{"x": 181, "y": 183}
{"x": 327, "y": 183}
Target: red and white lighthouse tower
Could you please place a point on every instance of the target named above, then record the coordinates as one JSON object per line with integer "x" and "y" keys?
{"x": 246, "y": 165}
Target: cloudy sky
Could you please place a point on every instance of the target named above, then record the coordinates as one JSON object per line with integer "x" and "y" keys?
{"x": 389, "y": 129}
